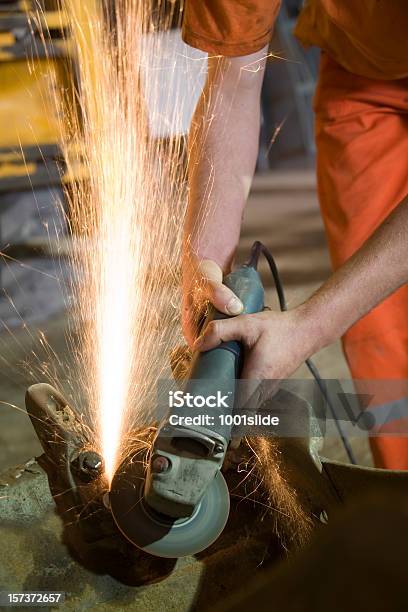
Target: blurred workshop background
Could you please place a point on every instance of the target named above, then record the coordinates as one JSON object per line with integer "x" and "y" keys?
{"x": 282, "y": 211}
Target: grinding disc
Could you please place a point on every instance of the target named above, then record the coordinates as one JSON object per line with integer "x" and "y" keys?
{"x": 160, "y": 535}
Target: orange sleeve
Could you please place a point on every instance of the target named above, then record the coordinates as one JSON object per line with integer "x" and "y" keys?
{"x": 229, "y": 27}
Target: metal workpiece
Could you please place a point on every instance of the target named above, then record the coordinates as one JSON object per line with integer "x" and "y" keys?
{"x": 68, "y": 445}
{"x": 44, "y": 547}
{"x": 78, "y": 486}
{"x": 62, "y": 432}
{"x": 88, "y": 465}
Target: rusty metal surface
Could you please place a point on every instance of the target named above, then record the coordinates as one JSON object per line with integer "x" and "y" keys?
{"x": 37, "y": 554}
{"x": 35, "y": 557}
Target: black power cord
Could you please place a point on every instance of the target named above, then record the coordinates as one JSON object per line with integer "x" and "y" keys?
{"x": 257, "y": 249}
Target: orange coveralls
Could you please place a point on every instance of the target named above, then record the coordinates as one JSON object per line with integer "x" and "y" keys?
{"x": 361, "y": 107}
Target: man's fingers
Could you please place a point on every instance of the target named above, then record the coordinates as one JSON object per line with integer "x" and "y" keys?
{"x": 225, "y": 330}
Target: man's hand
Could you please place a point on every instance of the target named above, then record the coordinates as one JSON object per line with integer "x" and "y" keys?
{"x": 275, "y": 343}
{"x": 202, "y": 284}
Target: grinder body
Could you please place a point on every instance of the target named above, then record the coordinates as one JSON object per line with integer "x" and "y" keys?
{"x": 194, "y": 454}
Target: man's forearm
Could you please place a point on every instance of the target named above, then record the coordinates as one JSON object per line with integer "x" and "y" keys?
{"x": 378, "y": 268}
{"x": 223, "y": 148}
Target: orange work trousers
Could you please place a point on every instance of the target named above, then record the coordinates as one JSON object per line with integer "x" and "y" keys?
{"x": 362, "y": 170}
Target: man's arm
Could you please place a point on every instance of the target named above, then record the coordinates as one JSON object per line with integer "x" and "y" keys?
{"x": 277, "y": 343}
{"x": 223, "y": 148}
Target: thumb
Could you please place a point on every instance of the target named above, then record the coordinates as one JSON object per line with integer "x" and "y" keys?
{"x": 212, "y": 289}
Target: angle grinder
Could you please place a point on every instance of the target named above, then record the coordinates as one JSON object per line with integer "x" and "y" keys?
{"x": 178, "y": 504}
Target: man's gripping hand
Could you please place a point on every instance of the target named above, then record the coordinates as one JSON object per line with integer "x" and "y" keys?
{"x": 275, "y": 343}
